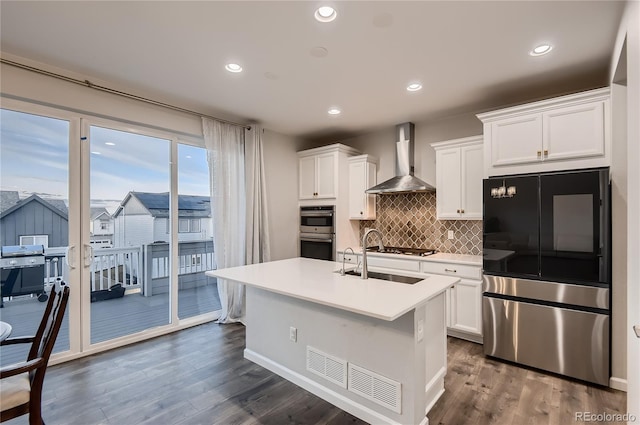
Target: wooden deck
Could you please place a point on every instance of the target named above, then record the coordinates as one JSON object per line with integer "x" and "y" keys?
{"x": 109, "y": 318}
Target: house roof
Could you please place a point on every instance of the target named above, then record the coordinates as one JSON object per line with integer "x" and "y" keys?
{"x": 56, "y": 205}
{"x": 8, "y": 198}
{"x": 158, "y": 204}
{"x": 98, "y": 211}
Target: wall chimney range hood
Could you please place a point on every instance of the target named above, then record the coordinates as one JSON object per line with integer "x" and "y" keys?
{"x": 404, "y": 181}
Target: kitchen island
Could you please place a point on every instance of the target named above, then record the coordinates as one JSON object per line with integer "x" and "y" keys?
{"x": 374, "y": 348}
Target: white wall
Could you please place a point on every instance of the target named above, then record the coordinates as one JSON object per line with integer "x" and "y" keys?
{"x": 281, "y": 170}
{"x": 30, "y": 86}
{"x": 630, "y": 28}
{"x": 133, "y": 230}
{"x": 382, "y": 144}
{"x": 619, "y": 232}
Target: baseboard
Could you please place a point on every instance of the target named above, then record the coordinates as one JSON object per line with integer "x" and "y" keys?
{"x": 464, "y": 335}
{"x": 618, "y": 384}
{"x": 338, "y": 400}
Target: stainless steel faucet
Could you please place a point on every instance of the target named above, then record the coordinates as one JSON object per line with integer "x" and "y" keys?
{"x": 364, "y": 273}
{"x": 344, "y": 255}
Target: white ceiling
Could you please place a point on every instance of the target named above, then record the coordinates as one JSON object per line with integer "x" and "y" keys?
{"x": 470, "y": 56}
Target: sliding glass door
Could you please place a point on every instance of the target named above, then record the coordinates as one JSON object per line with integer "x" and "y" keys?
{"x": 197, "y": 293}
{"x": 36, "y": 220}
{"x": 129, "y": 278}
{"x": 122, "y": 215}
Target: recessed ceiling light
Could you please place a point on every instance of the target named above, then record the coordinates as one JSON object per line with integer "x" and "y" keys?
{"x": 414, "y": 87}
{"x": 109, "y": 143}
{"x": 233, "y": 67}
{"x": 188, "y": 156}
{"x": 334, "y": 111}
{"x": 540, "y": 50}
{"x": 325, "y": 14}
{"x": 96, "y": 153}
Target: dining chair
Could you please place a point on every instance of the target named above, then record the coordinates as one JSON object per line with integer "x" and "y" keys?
{"x": 21, "y": 383}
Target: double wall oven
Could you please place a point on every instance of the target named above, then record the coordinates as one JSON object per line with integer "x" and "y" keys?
{"x": 317, "y": 232}
{"x": 547, "y": 271}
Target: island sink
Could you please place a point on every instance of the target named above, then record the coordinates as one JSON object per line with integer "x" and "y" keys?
{"x": 387, "y": 276}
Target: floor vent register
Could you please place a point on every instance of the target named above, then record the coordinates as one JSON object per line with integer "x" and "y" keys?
{"x": 370, "y": 385}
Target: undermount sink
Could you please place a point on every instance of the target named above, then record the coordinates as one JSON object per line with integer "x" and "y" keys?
{"x": 387, "y": 276}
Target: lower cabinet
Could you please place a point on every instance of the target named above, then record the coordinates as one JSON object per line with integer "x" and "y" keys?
{"x": 464, "y": 314}
{"x": 463, "y": 300}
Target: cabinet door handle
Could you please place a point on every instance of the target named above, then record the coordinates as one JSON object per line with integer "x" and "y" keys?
{"x": 546, "y": 152}
{"x": 451, "y": 270}
{"x": 539, "y": 154}
{"x": 458, "y": 211}
{"x": 360, "y": 212}
{"x": 461, "y": 211}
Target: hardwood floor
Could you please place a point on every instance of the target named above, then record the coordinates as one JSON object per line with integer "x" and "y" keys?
{"x": 481, "y": 390}
{"x": 198, "y": 376}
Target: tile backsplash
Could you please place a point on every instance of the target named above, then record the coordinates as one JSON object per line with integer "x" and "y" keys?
{"x": 409, "y": 220}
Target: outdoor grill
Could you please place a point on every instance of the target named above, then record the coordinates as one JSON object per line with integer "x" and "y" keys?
{"x": 22, "y": 270}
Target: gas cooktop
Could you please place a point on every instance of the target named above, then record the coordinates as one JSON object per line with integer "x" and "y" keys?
{"x": 419, "y": 252}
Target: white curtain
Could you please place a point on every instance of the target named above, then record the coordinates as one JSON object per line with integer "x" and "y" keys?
{"x": 225, "y": 146}
{"x": 257, "y": 250}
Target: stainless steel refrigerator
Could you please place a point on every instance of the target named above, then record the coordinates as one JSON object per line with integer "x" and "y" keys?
{"x": 547, "y": 271}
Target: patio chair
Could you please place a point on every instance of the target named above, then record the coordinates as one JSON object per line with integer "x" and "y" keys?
{"x": 21, "y": 383}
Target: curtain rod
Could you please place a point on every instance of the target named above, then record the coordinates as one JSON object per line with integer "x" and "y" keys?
{"x": 89, "y": 84}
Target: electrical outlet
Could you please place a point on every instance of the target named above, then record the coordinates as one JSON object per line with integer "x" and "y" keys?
{"x": 293, "y": 334}
{"x": 450, "y": 234}
{"x": 420, "y": 329}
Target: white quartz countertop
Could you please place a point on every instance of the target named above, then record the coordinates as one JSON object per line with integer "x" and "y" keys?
{"x": 316, "y": 281}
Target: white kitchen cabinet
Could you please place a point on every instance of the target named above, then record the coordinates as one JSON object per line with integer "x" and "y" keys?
{"x": 465, "y": 304}
{"x": 362, "y": 176}
{"x": 568, "y": 132}
{"x": 459, "y": 179}
{"x": 463, "y": 300}
{"x": 318, "y": 176}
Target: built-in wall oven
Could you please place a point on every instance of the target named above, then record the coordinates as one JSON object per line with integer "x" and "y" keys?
{"x": 547, "y": 271}
{"x": 317, "y": 232}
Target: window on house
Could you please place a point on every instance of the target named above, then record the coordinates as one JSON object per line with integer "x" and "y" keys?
{"x": 194, "y": 226}
{"x": 104, "y": 225}
{"x": 183, "y": 225}
{"x": 35, "y": 240}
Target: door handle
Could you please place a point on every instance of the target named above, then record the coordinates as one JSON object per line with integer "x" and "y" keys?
{"x": 636, "y": 329}
{"x": 67, "y": 256}
{"x": 88, "y": 255}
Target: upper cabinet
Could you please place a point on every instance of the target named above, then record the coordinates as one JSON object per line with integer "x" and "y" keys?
{"x": 319, "y": 169}
{"x": 568, "y": 132}
{"x": 459, "y": 179}
{"x": 362, "y": 176}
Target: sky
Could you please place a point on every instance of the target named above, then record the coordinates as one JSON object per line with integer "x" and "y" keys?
{"x": 34, "y": 158}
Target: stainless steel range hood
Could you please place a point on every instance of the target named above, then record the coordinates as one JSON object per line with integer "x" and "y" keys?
{"x": 404, "y": 181}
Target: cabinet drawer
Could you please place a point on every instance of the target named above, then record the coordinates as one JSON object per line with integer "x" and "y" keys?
{"x": 392, "y": 263}
{"x": 452, "y": 269}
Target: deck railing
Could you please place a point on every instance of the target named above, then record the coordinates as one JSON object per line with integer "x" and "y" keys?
{"x": 110, "y": 266}
{"x": 134, "y": 267}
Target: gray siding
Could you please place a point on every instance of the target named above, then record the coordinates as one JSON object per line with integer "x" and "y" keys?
{"x": 34, "y": 219}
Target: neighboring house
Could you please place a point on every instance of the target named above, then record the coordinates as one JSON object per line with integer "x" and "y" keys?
{"x": 143, "y": 218}
{"x": 101, "y": 228}
{"x": 33, "y": 221}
